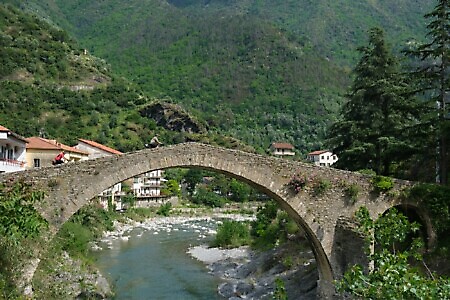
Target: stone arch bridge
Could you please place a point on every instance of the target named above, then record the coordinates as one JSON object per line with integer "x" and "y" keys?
{"x": 324, "y": 218}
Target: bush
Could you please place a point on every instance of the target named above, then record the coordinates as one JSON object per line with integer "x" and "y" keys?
{"x": 232, "y": 234}
{"x": 320, "y": 186}
{"x": 74, "y": 238}
{"x": 352, "y": 191}
{"x": 208, "y": 198}
{"x": 382, "y": 183}
{"x": 436, "y": 200}
{"x": 280, "y": 290}
{"x": 298, "y": 182}
{"x": 164, "y": 210}
{"x": 392, "y": 275}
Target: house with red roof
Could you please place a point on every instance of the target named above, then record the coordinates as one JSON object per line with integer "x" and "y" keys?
{"x": 40, "y": 152}
{"x": 12, "y": 151}
{"x": 95, "y": 149}
{"x": 282, "y": 149}
{"x": 322, "y": 158}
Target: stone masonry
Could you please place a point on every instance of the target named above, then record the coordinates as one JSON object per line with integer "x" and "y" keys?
{"x": 70, "y": 186}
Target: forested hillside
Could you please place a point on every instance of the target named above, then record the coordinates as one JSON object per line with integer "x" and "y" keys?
{"x": 48, "y": 86}
{"x": 256, "y": 70}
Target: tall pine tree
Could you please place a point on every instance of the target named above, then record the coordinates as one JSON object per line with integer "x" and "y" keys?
{"x": 373, "y": 131}
{"x": 434, "y": 78}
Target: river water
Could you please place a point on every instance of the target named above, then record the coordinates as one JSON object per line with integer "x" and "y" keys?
{"x": 151, "y": 262}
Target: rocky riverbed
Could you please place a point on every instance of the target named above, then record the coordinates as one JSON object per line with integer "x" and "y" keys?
{"x": 248, "y": 274}
{"x": 244, "y": 273}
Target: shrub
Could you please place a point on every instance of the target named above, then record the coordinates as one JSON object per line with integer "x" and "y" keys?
{"x": 436, "y": 200}
{"x": 207, "y": 197}
{"x": 298, "y": 182}
{"x": 382, "y": 183}
{"x": 280, "y": 290}
{"x": 164, "y": 210}
{"x": 74, "y": 238}
{"x": 320, "y": 186}
{"x": 231, "y": 234}
{"x": 352, "y": 191}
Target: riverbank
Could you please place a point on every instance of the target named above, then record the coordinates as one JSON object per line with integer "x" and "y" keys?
{"x": 243, "y": 273}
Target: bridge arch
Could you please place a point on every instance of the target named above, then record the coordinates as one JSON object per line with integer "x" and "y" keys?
{"x": 70, "y": 186}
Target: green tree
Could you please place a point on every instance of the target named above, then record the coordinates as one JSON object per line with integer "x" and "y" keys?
{"x": 231, "y": 234}
{"x": 391, "y": 276}
{"x": 192, "y": 178}
{"x": 376, "y": 118}
{"x": 433, "y": 76}
{"x": 205, "y": 196}
{"x": 240, "y": 191}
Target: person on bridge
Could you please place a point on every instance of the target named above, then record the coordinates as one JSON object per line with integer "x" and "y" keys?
{"x": 59, "y": 159}
{"x": 154, "y": 142}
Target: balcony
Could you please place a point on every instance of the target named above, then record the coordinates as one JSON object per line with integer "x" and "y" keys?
{"x": 11, "y": 165}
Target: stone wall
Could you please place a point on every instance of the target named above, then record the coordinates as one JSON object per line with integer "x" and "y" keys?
{"x": 70, "y": 186}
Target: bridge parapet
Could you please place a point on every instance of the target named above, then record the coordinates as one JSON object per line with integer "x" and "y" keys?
{"x": 70, "y": 186}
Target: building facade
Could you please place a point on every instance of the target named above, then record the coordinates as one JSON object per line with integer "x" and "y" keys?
{"x": 40, "y": 152}
{"x": 147, "y": 189}
{"x": 282, "y": 149}
{"x": 323, "y": 158}
{"x": 12, "y": 151}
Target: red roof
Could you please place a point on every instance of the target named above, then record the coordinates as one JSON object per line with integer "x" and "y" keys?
{"x": 282, "y": 146}
{"x": 41, "y": 143}
{"x": 100, "y": 146}
{"x": 19, "y": 137}
{"x": 318, "y": 152}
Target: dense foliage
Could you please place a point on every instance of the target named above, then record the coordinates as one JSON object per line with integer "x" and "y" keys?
{"x": 390, "y": 123}
{"x": 373, "y": 132}
{"x": 20, "y": 225}
{"x": 271, "y": 226}
{"x": 391, "y": 276}
{"x": 435, "y": 198}
{"x": 433, "y": 78}
{"x": 231, "y": 234}
{"x": 263, "y": 76}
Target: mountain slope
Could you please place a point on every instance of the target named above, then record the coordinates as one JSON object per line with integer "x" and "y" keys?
{"x": 258, "y": 70}
{"x": 49, "y": 87}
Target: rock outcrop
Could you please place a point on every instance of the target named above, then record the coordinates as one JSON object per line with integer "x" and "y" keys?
{"x": 172, "y": 117}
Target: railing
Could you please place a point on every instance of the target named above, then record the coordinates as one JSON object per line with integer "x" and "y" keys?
{"x": 150, "y": 184}
{"x": 12, "y": 162}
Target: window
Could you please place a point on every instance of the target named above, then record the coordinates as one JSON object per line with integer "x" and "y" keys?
{"x": 37, "y": 163}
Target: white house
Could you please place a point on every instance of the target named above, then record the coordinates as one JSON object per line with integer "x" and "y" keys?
{"x": 12, "y": 151}
{"x": 322, "y": 158}
{"x": 97, "y": 150}
{"x": 282, "y": 149}
{"x": 147, "y": 188}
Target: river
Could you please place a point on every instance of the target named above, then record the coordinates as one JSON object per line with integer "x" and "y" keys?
{"x": 151, "y": 261}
